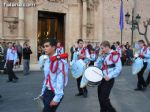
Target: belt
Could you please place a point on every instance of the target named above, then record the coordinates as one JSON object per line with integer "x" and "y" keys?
{"x": 109, "y": 66}
{"x": 10, "y": 60}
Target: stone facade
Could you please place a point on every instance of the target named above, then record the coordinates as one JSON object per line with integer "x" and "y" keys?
{"x": 93, "y": 20}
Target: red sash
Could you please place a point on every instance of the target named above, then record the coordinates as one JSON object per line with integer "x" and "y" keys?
{"x": 83, "y": 51}
{"x": 145, "y": 49}
{"x": 105, "y": 65}
{"x": 53, "y": 60}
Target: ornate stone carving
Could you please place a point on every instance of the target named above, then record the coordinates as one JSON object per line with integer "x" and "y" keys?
{"x": 58, "y": 1}
{"x": 92, "y": 4}
{"x": 12, "y": 23}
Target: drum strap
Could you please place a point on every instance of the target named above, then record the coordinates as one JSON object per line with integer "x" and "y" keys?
{"x": 49, "y": 77}
{"x": 83, "y": 52}
{"x": 52, "y": 66}
{"x": 109, "y": 66}
{"x": 48, "y": 81}
{"x": 105, "y": 67}
{"x": 145, "y": 49}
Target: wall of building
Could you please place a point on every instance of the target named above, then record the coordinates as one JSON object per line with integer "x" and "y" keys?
{"x": 111, "y": 18}
{"x": 105, "y": 20}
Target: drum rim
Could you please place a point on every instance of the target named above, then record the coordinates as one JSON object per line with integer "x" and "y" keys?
{"x": 91, "y": 67}
{"x": 90, "y": 83}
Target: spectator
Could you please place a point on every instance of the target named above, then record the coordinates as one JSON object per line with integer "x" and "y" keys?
{"x": 89, "y": 46}
{"x": 39, "y": 51}
{"x": 129, "y": 55}
{"x": 26, "y": 58}
{"x": 97, "y": 49}
{"x": 60, "y": 48}
{"x": 113, "y": 46}
{"x": 92, "y": 57}
{"x": 127, "y": 45}
{"x": 19, "y": 52}
{"x": 5, "y": 46}
{"x": 1, "y": 48}
{"x": 72, "y": 50}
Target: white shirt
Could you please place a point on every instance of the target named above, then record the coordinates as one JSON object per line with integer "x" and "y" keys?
{"x": 11, "y": 55}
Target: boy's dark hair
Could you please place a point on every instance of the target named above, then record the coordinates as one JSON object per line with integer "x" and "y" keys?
{"x": 141, "y": 41}
{"x": 92, "y": 49}
{"x": 79, "y": 40}
{"x": 105, "y": 44}
{"x": 10, "y": 43}
{"x": 52, "y": 42}
{"x": 118, "y": 43}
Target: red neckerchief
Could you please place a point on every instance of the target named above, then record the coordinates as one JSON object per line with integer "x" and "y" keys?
{"x": 111, "y": 58}
{"x": 145, "y": 49}
{"x": 55, "y": 59}
{"x": 114, "y": 54}
{"x": 83, "y": 51}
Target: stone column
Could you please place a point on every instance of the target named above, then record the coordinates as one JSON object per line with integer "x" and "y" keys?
{"x": 84, "y": 20}
{"x": 21, "y": 21}
{"x": 1, "y": 19}
{"x": 100, "y": 22}
{"x": 135, "y": 33}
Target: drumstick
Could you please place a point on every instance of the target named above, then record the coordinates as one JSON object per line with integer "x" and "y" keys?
{"x": 97, "y": 73}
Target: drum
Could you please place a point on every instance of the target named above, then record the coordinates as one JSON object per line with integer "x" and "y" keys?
{"x": 77, "y": 68}
{"x": 94, "y": 76}
{"x": 42, "y": 60}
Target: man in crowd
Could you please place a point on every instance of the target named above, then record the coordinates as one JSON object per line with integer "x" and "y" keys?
{"x": 11, "y": 58}
{"x": 19, "y": 52}
{"x": 26, "y": 58}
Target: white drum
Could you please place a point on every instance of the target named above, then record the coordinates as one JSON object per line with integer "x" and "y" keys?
{"x": 42, "y": 60}
{"x": 77, "y": 68}
{"x": 94, "y": 75}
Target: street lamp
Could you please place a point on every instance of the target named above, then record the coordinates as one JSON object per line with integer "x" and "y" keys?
{"x": 134, "y": 22}
{"x": 138, "y": 18}
{"x": 127, "y": 16}
{"x": 135, "y": 25}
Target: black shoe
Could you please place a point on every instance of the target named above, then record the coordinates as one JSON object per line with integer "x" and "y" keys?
{"x": 138, "y": 89}
{"x": 147, "y": 83}
{"x": 9, "y": 81}
{"x": 85, "y": 94}
{"x": 144, "y": 88}
{"x": 0, "y": 96}
{"x": 79, "y": 94}
{"x": 16, "y": 78}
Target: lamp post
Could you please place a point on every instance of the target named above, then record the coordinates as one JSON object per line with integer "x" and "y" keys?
{"x": 135, "y": 25}
{"x": 134, "y": 22}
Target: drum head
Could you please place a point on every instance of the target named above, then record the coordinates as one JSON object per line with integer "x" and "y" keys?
{"x": 93, "y": 74}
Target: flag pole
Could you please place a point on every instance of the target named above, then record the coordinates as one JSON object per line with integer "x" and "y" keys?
{"x": 121, "y": 20}
{"x": 121, "y": 36}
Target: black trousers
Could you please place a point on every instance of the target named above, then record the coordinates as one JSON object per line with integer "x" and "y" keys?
{"x": 91, "y": 63}
{"x": 148, "y": 79}
{"x": 20, "y": 58}
{"x": 11, "y": 74}
{"x": 104, "y": 90}
{"x": 81, "y": 90}
{"x": 141, "y": 82}
{"x": 47, "y": 98}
